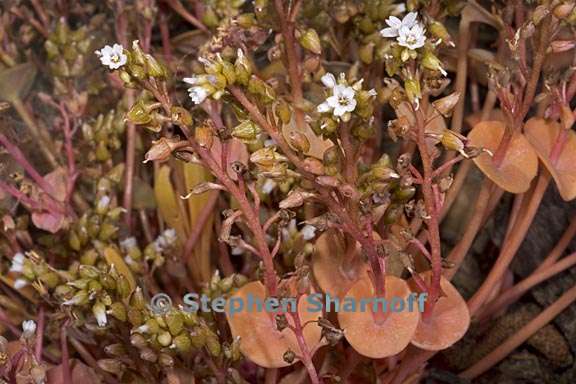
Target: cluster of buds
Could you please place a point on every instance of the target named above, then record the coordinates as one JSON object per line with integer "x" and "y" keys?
{"x": 220, "y": 73}
{"x": 134, "y": 65}
{"x": 215, "y": 12}
{"x": 31, "y": 268}
{"x": 66, "y": 50}
{"x": 103, "y": 136}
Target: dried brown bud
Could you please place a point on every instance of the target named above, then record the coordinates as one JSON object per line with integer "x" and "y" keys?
{"x": 204, "y": 135}
{"x": 162, "y": 148}
{"x": 314, "y": 166}
{"x": 289, "y": 356}
{"x": 446, "y": 104}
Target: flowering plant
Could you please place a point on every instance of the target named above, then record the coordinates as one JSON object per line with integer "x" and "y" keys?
{"x": 268, "y": 150}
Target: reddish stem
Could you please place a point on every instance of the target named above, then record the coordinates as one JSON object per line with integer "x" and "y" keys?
{"x": 306, "y": 355}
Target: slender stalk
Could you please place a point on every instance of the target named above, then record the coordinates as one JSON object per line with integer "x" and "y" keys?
{"x": 42, "y": 140}
{"x": 432, "y": 210}
{"x": 561, "y": 246}
{"x": 200, "y": 224}
{"x": 511, "y": 247}
{"x": 511, "y": 295}
{"x": 66, "y": 372}
{"x": 306, "y": 355}
{"x": 514, "y": 341}
{"x": 177, "y": 7}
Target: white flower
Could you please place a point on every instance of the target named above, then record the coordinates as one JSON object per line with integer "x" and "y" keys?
{"x": 128, "y": 243}
{"x": 103, "y": 203}
{"x": 341, "y": 102}
{"x": 112, "y": 56}
{"x": 268, "y": 186}
{"x": 20, "y": 283}
{"x": 194, "y": 80}
{"x": 395, "y": 24}
{"x": 28, "y": 327}
{"x": 412, "y": 38}
{"x": 328, "y": 80}
{"x": 165, "y": 240}
{"x": 17, "y": 262}
{"x": 198, "y": 94}
{"x": 237, "y": 251}
{"x": 99, "y": 311}
{"x": 308, "y": 232}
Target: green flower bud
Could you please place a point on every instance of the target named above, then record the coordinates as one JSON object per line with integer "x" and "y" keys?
{"x": 118, "y": 311}
{"x": 74, "y": 240}
{"x": 154, "y": 68}
{"x": 311, "y": 41}
{"x": 366, "y": 53}
{"x": 213, "y": 346}
{"x": 229, "y": 72}
{"x": 438, "y": 30}
{"x": 137, "y": 300}
{"x": 182, "y": 343}
{"x": 164, "y": 338}
{"x": 243, "y": 68}
{"x": 403, "y": 194}
{"x": 99, "y": 311}
{"x": 80, "y": 298}
{"x": 246, "y": 20}
{"x": 50, "y": 279}
{"x": 102, "y": 153}
{"x": 431, "y": 62}
{"x": 412, "y": 88}
{"x": 139, "y": 114}
{"x": 137, "y": 56}
{"x": 175, "y": 322}
{"x": 247, "y": 130}
{"x": 198, "y": 339}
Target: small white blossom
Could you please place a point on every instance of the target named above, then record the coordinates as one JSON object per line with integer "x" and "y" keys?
{"x": 20, "y": 283}
{"x": 166, "y": 240}
{"x": 412, "y": 38}
{"x": 198, "y": 94}
{"x": 395, "y": 24}
{"x": 194, "y": 80}
{"x": 112, "y": 56}
{"x": 29, "y": 328}
{"x": 268, "y": 186}
{"x": 328, "y": 80}
{"x": 341, "y": 102}
{"x": 308, "y": 232}
{"x": 103, "y": 203}
{"x": 99, "y": 311}
{"x": 128, "y": 243}
{"x": 269, "y": 143}
{"x": 17, "y": 262}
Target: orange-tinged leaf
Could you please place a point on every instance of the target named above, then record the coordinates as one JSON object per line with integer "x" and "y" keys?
{"x": 373, "y": 339}
{"x": 260, "y": 340}
{"x": 542, "y": 134}
{"x": 327, "y": 265}
{"x": 167, "y": 203}
{"x": 448, "y": 322}
{"x": 519, "y": 165}
{"x": 195, "y": 174}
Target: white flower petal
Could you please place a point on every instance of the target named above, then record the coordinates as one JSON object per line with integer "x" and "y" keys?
{"x": 324, "y": 107}
{"x": 20, "y": 283}
{"x": 389, "y": 32}
{"x": 268, "y": 186}
{"x": 28, "y": 327}
{"x": 409, "y": 20}
{"x": 308, "y": 232}
{"x": 328, "y": 80}
{"x": 394, "y": 22}
{"x": 332, "y": 101}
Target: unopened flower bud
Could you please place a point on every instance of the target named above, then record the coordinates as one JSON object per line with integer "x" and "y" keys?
{"x": 154, "y": 68}
{"x": 204, "y": 135}
{"x": 246, "y": 131}
{"x": 366, "y": 53}
{"x": 99, "y": 311}
{"x": 161, "y": 149}
{"x": 243, "y": 68}
{"x": 182, "y": 343}
{"x": 446, "y": 104}
{"x": 111, "y": 366}
{"x": 439, "y": 31}
{"x": 139, "y": 114}
{"x": 180, "y": 116}
{"x": 299, "y": 141}
{"x": 431, "y": 62}
{"x": 311, "y": 41}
